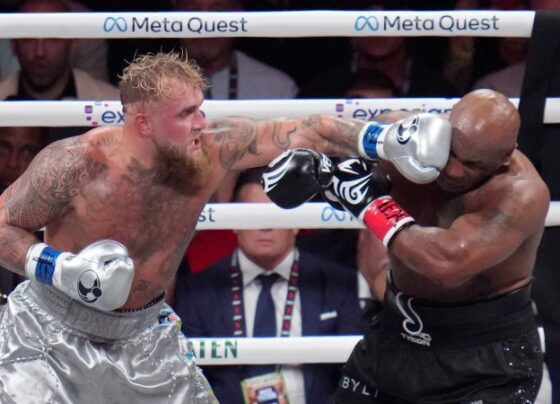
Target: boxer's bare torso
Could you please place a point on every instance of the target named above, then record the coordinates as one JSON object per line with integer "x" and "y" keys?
{"x": 513, "y": 201}
{"x": 98, "y": 191}
{"x": 100, "y": 186}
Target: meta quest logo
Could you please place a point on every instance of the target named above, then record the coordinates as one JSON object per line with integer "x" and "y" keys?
{"x": 394, "y": 22}
{"x": 196, "y": 25}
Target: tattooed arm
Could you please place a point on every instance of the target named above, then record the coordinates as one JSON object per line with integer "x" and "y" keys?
{"x": 42, "y": 194}
{"x": 243, "y": 143}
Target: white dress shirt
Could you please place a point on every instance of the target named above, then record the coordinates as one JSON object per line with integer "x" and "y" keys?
{"x": 293, "y": 374}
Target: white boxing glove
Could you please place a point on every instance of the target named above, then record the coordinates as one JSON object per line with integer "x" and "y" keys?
{"x": 418, "y": 146}
{"x": 99, "y": 276}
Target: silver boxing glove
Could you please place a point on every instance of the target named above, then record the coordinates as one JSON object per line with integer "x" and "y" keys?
{"x": 418, "y": 146}
{"x": 99, "y": 276}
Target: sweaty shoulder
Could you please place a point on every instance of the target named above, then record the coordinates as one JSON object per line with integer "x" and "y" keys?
{"x": 520, "y": 191}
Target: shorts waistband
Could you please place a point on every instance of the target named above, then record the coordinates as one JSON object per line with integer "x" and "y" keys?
{"x": 434, "y": 324}
{"x": 436, "y": 313}
{"x": 101, "y": 325}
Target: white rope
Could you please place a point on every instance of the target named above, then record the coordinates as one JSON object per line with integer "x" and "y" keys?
{"x": 293, "y": 350}
{"x": 216, "y": 216}
{"x": 488, "y": 23}
{"x": 97, "y": 113}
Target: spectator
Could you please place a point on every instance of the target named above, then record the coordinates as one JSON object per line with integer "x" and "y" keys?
{"x": 18, "y": 146}
{"x": 325, "y": 303}
{"x": 46, "y": 72}
{"x": 507, "y": 81}
{"x": 89, "y": 55}
{"x": 232, "y": 74}
{"x": 414, "y": 73}
{"x": 513, "y": 52}
{"x": 370, "y": 83}
{"x": 507, "y": 76}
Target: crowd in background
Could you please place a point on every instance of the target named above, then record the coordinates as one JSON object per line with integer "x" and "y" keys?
{"x": 259, "y": 68}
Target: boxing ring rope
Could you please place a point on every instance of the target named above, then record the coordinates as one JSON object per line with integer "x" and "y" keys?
{"x": 293, "y": 350}
{"x": 218, "y": 216}
{"x": 237, "y": 351}
{"x": 283, "y": 24}
{"x": 97, "y": 113}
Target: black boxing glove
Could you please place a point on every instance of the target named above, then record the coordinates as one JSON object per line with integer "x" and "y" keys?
{"x": 350, "y": 189}
{"x": 296, "y": 176}
{"x": 363, "y": 192}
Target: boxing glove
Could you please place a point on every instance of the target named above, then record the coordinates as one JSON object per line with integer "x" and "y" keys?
{"x": 363, "y": 192}
{"x": 100, "y": 275}
{"x": 418, "y": 146}
{"x": 296, "y": 176}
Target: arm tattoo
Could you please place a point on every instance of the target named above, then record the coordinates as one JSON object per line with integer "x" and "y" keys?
{"x": 236, "y": 137}
{"x": 48, "y": 186}
{"x": 311, "y": 120}
{"x": 282, "y": 143}
{"x": 347, "y": 135}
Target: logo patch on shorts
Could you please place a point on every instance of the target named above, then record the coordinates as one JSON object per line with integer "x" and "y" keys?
{"x": 412, "y": 323}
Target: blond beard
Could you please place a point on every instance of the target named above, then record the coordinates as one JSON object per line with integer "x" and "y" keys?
{"x": 188, "y": 173}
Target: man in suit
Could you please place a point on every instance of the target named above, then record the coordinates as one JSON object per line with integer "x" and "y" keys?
{"x": 325, "y": 303}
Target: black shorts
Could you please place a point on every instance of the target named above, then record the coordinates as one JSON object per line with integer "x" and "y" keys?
{"x": 420, "y": 352}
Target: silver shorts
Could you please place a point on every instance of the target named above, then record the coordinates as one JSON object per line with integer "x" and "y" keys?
{"x": 56, "y": 350}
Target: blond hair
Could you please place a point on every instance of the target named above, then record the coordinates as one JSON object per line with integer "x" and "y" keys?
{"x": 152, "y": 77}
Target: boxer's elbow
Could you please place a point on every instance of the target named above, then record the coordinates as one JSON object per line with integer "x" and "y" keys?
{"x": 448, "y": 264}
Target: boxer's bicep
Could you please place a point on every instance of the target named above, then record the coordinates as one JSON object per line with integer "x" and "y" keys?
{"x": 488, "y": 237}
{"x": 472, "y": 244}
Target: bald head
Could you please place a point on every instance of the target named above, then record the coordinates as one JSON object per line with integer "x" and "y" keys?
{"x": 485, "y": 125}
{"x": 486, "y": 120}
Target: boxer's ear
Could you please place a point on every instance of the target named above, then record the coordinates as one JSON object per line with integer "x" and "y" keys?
{"x": 142, "y": 124}
{"x": 507, "y": 159}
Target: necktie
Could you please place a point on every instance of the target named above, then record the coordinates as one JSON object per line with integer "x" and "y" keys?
{"x": 265, "y": 320}
{"x": 265, "y": 315}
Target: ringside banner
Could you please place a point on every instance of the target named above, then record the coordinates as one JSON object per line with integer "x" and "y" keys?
{"x": 278, "y": 24}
